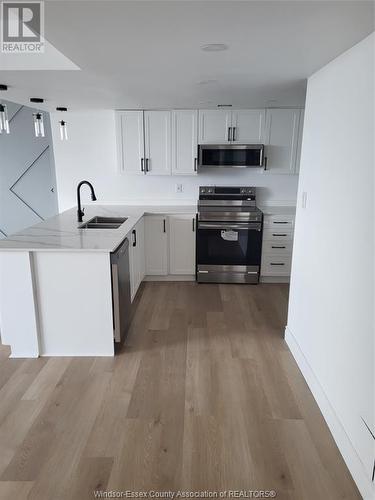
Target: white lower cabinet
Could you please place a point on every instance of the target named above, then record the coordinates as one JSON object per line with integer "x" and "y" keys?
{"x": 278, "y": 230}
{"x": 182, "y": 244}
{"x": 170, "y": 245}
{"x": 137, "y": 257}
{"x": 156, "y": 244}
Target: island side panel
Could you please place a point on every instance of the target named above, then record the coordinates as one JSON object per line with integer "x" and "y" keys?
{"x": 18, "y": 315}
{"x": 75, "y": 303}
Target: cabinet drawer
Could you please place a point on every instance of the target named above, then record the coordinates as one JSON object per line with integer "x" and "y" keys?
{"x": 272, "y": 247}
{"x": 277, "y": 235}
{"x": 279, "y": 222}
{"x": 276, "y": 265}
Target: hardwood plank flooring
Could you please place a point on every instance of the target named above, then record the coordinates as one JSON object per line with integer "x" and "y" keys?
{"x": 205, "y": 395}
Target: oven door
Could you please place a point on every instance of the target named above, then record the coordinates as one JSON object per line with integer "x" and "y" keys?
{"x": 229, "y": 252}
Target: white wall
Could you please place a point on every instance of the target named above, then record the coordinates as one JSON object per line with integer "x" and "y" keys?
{"x": 90, "y": 154}
{"x": 331, "y": 310}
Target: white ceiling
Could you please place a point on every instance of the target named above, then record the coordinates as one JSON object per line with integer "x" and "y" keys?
{"x": 146, "y": 54}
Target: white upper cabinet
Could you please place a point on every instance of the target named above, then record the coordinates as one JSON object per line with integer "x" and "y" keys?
{"x": 184, "y": 142}
{"x": 156, "y": 245}
{"x": 218, "y": 126}
{"x": 281, "y": 140}
{"x": 248, "y": 126}
{"x": 158, "y": 149}
{"x": 166, "y": 142}
{"x": 214, "y": 126}
{"x": 182, "y": 244}
{"x": 130, "y": 141}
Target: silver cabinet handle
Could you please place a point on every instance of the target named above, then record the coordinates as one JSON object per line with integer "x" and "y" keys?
{"x": 229, "y": 133}
{"x": 164, "y": 227}
{"x": 276, "y": 246}
{"x": 280, "y": 222}
{"x": 234, "y": 134}
{"x": 142, "y": 164}
{"x": 193, "y": 225}
{"x": 147, "y": 165}
{"x": 277, "y": 264}
{"x": 265, "y": 162}
{"x": 195, "y": 164}
{"x": 280, "y": 234}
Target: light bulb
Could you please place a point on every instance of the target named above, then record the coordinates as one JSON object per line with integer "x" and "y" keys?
{"x": 63, "y": 130}
{"x": 38, "y": 124}
{"x": 4, "y": 122}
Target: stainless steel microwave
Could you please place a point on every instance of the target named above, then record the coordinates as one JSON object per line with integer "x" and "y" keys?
{"x": 230, "y": 155}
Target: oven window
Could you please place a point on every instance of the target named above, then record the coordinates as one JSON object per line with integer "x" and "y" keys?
{"x": 231, "y": 157}
{"x": 239, "y": 247}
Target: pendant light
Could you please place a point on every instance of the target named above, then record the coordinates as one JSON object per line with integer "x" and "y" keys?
{"x": 38, "y": 124}
{"x": 63, "y": 125}
{"x": 4, "y": 121}
{"x": 38, "y": 119}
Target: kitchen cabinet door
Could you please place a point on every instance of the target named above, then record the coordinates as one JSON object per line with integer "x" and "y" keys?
{"x": 281, "y": 140}
{"x": 182, "y": 244}
{"x": 141, "y": 249}
{"x": 137, "y": 258}
{"x": 156, "y": 245}
{"x": 158, "y": 149}
{"x": 184, "y": 142}
{"x": 248, "y": 126}
{"x": 130, "y": 141}
{"x": 300, "y": 135}
{"x": 214, "y": 126}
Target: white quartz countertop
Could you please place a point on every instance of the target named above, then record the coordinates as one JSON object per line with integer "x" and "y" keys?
{"x": 62, "y": 232}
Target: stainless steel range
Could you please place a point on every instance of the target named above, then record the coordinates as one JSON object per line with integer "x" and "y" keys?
{"x": 229, "y": 235}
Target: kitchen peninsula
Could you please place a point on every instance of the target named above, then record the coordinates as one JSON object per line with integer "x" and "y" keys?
{"x": 55, "y": 286}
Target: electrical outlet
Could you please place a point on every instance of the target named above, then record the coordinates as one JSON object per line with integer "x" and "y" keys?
{"x": 179, "y": 188}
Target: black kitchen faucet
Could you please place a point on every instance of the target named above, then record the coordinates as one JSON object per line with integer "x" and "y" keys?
{"x": 81, "y": 211}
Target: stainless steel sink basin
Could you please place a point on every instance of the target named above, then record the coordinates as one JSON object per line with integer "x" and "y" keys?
{"x": 104, "y": 223}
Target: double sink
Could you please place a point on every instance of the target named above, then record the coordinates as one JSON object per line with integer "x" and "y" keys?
{"x": 104, "y": 223}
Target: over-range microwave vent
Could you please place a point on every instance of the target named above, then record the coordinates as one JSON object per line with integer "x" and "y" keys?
{"x": 231, "y": 155}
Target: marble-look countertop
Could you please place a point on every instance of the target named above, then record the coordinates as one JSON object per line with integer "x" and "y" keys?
{"x": 62, "y": 232}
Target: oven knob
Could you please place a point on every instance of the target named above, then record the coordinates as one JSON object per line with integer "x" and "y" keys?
{"x": 243, "y": 190}
{"x": 203, "y": 190}
{"x": 210, "y": 190}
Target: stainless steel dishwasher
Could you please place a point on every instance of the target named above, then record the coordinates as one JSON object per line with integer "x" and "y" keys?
{"x": 121, "y": 291}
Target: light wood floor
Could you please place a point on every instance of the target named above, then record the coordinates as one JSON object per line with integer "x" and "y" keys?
{"x": 205, "y": 396}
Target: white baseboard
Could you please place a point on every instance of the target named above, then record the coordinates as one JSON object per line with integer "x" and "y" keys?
{"x": 171, "y": 277}
{"x": 77, "y": 355}
{"x": 23, "y": 355}
{"x": 338, "y": 432}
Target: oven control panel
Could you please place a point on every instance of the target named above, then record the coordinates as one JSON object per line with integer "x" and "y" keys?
{"x": 247, "y": 190}
{"x": 227, "y": 190}
{"x": 206, "y": 190}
